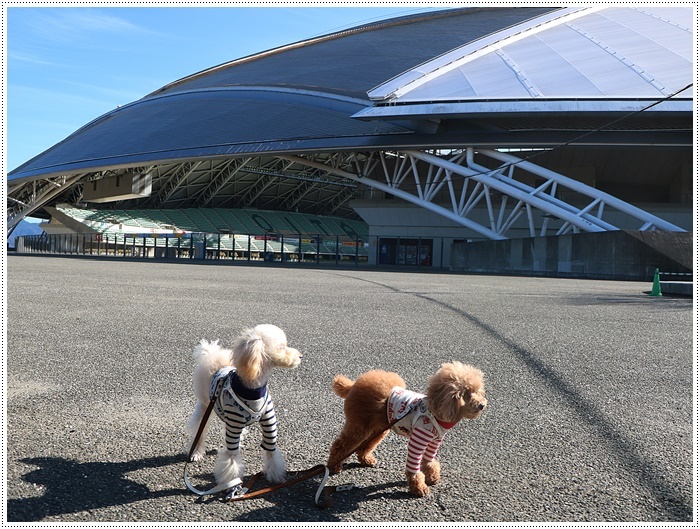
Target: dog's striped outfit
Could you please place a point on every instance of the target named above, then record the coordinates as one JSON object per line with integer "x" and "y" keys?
{"x": 239, "y": 406}
{"x": 424, "y": 432}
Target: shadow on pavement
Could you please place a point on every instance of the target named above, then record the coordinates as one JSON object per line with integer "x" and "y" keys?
{"x": 72, "y": 487}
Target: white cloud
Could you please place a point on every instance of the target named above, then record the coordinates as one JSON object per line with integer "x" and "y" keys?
{"x": 50, "y": 96}
{"x": 118, "y": 93}
{"x": 72, "y": 24}
{"x": 26, "y": 58}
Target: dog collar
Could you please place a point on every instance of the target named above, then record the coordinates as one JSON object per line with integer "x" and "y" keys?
{"x": 244, "y": 392}
{"x": 445, "y": 425}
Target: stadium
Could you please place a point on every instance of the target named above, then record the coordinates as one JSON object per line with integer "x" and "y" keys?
{"x": 552, "y": 141}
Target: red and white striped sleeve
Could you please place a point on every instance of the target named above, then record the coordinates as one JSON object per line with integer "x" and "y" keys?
{"x": 432, "y": 449}
{"x": 420, "y": 442}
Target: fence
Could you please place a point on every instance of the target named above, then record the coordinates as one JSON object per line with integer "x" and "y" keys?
{"x": 267, "y": 248}
{"x": 676, "y": 276}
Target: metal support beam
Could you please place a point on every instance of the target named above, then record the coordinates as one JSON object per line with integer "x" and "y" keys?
{"x": 340, "y": 199}
{"x": 648, "y": 220}
{"x": 175, "y": 181}
{"x": 38, "y": 196}
{"x": 220, "y": 180}
{"x": 293, "y": 198}
{"x": 254, "y": 191}
{"x": 423, "y": 178}
{"x": 496, "y": 202}
{"x": 399, "y": 193}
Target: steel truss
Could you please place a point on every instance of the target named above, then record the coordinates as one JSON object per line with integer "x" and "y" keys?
{"x": 24, "y": 199}
{"x": 232, "y": 182}
{"x": 497, "y": 202}
{"x": 420, "y": 177}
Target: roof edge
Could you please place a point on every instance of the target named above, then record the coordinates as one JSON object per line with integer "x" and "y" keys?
{"x": 491, "y": 106}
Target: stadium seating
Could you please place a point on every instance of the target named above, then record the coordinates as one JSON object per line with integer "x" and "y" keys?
{"x": 209, "y": 233}
{"x": 219, "y": 220}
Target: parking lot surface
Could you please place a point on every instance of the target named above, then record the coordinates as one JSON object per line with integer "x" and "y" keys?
{"x": 590, "y": 388}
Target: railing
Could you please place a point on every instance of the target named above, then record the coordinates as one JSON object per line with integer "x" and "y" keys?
{"x": 264, "y": 248}
{"x": 676, "y": 276}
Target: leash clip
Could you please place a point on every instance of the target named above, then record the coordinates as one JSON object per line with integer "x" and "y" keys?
{"x": 237, "y": 492}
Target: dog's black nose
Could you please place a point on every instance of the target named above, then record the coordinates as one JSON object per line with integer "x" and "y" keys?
{"x": 481, "y": 405}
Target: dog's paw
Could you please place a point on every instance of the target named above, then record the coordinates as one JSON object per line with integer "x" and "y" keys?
{"x": 416, "y": 485}
{"x": 334, "y": 469}
{"x": 418, "y": 490}
{"x": 274, "y": 476}
{"x": 431, "y": 471}
{"x": 197, "y": 456}
{"x": 275, "y": 467}
{"x": 229, "y": 465}
{"x": 367, "y": 460}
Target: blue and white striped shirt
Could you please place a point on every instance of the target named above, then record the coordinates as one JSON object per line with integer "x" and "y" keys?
{"x": 239, "y": 407}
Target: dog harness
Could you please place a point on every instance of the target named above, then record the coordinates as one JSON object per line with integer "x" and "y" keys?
{"x": 238, "y": 406}
{"x": 424, "y": 431}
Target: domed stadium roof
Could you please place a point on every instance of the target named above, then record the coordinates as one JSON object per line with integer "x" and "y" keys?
{"x": 296, "y": 97}
{"x": 232, "y": 136}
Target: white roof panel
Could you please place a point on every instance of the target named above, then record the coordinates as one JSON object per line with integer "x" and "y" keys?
{"x": 591, "y": 52}
{"x": 490, "y": 75}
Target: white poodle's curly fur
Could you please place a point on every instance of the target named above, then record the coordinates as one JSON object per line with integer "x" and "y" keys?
{"x": 256, "y": 352}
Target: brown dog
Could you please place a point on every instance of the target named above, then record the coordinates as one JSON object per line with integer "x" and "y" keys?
{"x": 377, "y": 398}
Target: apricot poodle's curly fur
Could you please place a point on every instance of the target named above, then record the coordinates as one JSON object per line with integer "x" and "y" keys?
{"x": 455, "y": 392}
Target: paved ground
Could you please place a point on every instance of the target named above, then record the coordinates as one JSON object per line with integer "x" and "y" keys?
{"x": 590, "y": 385}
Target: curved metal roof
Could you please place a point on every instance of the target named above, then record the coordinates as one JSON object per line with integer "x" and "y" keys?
{"x": 352, "y": 61}
{"x": 208, "y": 123}
{"x": 296, "y": 97}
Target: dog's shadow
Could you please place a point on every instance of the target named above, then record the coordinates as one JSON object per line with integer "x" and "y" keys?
{"x": 70, "y": 486}
{"x": 296, "y": 503}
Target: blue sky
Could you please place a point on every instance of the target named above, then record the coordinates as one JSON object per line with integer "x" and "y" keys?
{"x": 66, "y": 66}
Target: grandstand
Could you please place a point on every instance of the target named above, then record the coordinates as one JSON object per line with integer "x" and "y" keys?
{"x": 215, "y": 220}
{"x": 251, "y": 235}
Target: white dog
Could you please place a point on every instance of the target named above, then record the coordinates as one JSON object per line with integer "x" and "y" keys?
{"x": 239, "y": 379}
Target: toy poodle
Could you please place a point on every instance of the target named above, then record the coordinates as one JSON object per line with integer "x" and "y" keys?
{"x": 238, "y": 380}
{"x": 379, "y": 398}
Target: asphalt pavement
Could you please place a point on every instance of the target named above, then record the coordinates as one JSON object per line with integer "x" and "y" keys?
{"x": 590, "y": 388}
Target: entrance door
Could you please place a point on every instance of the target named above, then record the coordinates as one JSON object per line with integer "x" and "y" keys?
{"x": 387, "y": 251}
{"x": 409, "y": 252}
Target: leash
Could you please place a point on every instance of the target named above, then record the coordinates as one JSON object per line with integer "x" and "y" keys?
{"x": 217, "y": 488}
{"x": 240, "y": 492}
{"x": 322, "y": 499}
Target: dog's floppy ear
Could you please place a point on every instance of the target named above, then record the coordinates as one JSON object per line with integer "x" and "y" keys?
{"x": 249, "y": 355}
{"x": 451, "y": 402}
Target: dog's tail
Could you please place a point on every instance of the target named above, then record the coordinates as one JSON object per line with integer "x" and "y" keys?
{"x": 342, "y": 385}
{"x": 211, "y": 356}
